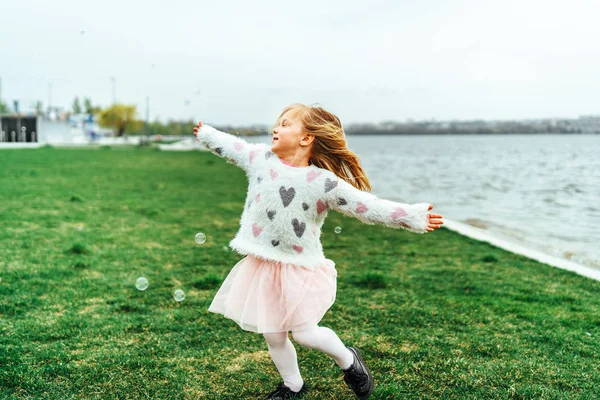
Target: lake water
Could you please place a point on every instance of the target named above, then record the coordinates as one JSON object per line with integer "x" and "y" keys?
{"x": 541, "y": 191}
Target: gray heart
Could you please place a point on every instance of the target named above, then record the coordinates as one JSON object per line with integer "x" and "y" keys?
{"x": 329, "y": 185}
{"x": 299, "y": 227}
{"x": 259, "y": 179}
{"x": 305, "y": 206}
{"x": 271, "y": 214}
{"x": 342, "y": 201}
{"x": 268, "y": 155}
{"x": 287, "y": 195}
{"x": 275, "y": 243}
{"x": 219, "y": 150}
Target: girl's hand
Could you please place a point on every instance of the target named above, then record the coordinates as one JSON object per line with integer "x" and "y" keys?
{"x": 434, "y": 220}
{"x": 198, "y": 126}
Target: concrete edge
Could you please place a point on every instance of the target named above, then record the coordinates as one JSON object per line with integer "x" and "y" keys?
{"x": 23, "y": 145}
{"x": 483, "y": 235}
{"x": 184, "y": 145}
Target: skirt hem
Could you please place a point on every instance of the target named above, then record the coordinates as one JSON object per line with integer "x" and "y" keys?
{"x": 264, "y": 296}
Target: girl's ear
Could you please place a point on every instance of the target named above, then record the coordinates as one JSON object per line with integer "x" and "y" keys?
{"x": 307, "y": 140}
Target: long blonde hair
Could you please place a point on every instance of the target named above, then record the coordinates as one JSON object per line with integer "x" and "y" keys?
{"x": 329, "y": 150}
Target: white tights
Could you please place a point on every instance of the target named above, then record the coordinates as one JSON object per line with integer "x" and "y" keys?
{"x": 320, "y": 338}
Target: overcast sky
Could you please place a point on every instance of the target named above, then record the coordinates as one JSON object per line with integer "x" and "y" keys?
{"x": 241, "y": 62}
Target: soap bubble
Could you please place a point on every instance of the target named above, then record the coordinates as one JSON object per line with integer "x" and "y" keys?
{"x": 200, "y": 238}
{"x": 179, "y": 295}
{"x": 338, "y": 229}
{"x": 141, "y": 283}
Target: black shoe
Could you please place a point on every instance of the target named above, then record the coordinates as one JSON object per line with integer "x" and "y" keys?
{"x": 358, "y": 377}
{"x": 284, "y": 393}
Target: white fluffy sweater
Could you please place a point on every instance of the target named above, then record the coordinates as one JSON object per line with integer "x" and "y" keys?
{"x": 286, "y": 205}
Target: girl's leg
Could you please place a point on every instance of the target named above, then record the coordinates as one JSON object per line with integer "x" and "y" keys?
{"x": 325, "y": 340}
{"x": 283, "y": 354}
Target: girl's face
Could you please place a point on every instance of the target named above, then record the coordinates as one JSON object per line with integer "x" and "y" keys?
{"x": 287, "y": 135}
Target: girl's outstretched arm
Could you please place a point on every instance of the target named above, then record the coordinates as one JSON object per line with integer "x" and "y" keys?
{"x": 228, "y": 146}
{"x": 371, "y": 209}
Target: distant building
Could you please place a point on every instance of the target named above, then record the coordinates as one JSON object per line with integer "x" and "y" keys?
{"x": 18, "y": 128}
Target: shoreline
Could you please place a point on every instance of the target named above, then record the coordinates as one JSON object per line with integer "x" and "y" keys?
{"x": 483, "y": 235}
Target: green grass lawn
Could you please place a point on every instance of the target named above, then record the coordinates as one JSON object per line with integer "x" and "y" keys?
{"x": 435, "y": 316}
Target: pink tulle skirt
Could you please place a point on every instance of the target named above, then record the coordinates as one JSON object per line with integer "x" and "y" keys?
{"x": 267, "y": 296}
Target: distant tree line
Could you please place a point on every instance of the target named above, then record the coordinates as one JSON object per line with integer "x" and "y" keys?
{"x": 87, "y": 108}
{"x": 462, "y": 127}
{"x": 182, "y": 128}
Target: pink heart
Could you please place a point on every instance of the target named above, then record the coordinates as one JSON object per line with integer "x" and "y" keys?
{"x": 297, "y": 248}
{"x": 361, "y": 208}
{"x": 398, "y": 213}
{"x": 274, "y": 174}
{"x": 256, "y": 230}
{"x": 321, "y": 206}
{"x": 257, "y": 198}
{"x": 312, "y": 175}
{"x": 253, "y": 154}
{"x": 238, "y": 145}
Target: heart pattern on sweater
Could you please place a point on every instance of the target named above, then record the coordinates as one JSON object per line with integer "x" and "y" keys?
{"x": 305, "y": 206}
{"x": 312, "y": 175}
{"x": 238, "y": 145}
{"x": 299, "y": 227}
{"x": 256, "y": 230}
{"x": 398, "y": 213}
{"x": 253, "y": 154}
{"x": 287, "y": 195}
{"x": 321, "y": 206}
{"x": 329, "y": 185}
{"x": 257, "y": 198}
{"x": 342, "y": 201}
{"x": 275, "y": 243}
{"x": 361, "y": 208}
{"x": 271, "y": 214}
{"x": 274, "y": 174}
{"x": 297, "y": 248}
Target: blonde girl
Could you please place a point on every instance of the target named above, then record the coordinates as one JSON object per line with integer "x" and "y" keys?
{"x": 285, "y": 283}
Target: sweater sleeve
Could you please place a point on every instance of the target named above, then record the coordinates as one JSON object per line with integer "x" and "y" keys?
{"x": 371, "y": 209}
{"x": 230, "y": 147}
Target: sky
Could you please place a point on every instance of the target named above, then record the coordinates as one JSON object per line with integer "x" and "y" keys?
{"x": 242, "y": 62}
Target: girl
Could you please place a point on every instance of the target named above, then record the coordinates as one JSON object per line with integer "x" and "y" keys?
{"x": 284, "y": 283}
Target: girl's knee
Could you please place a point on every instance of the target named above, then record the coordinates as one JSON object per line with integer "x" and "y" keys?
{"x": 276, "y": 339}
{"x": 305, "y": 337}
